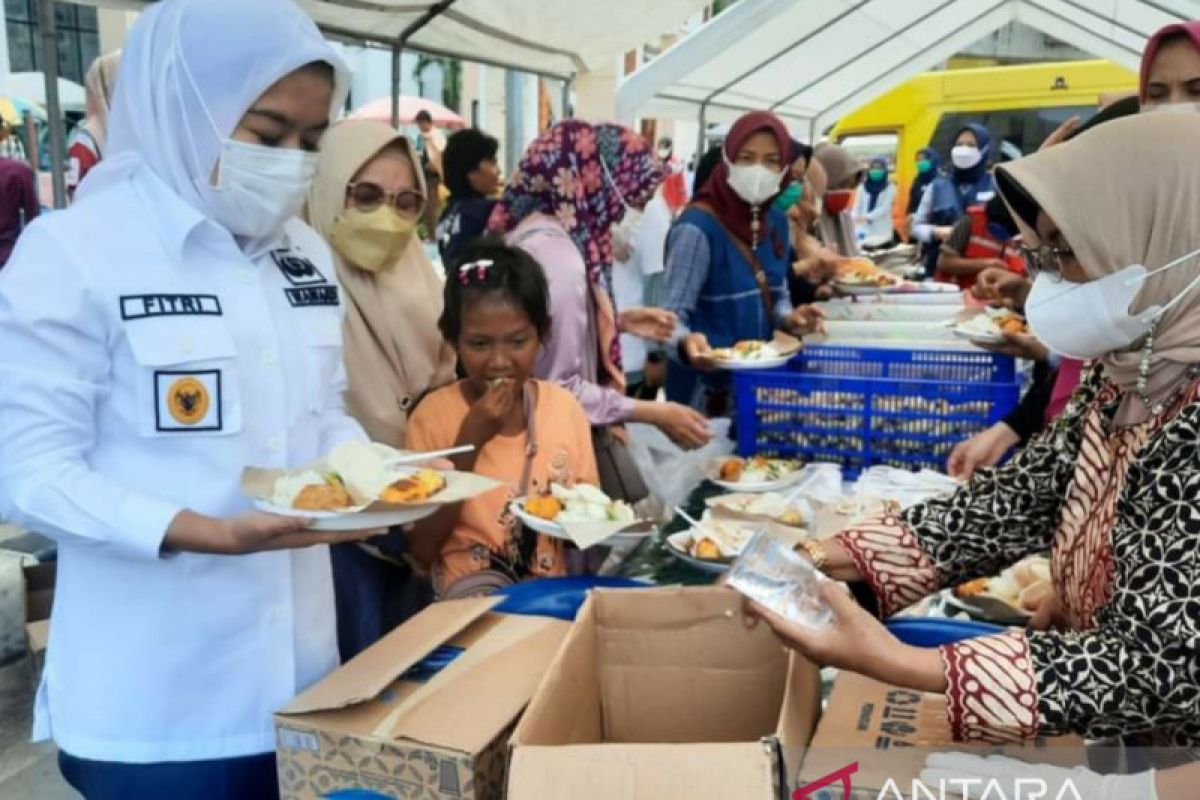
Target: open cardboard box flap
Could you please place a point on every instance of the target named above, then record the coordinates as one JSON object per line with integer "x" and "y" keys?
{"x": 664, "y": 693}
{"x": 371, "y": 671}
{"x": 458, "y": 707}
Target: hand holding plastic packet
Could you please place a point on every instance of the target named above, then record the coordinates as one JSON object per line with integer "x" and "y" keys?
{"x": 770, "y": 572}
{"x": 773, "y": 574}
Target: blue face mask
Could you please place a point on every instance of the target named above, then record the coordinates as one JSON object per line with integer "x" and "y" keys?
{"x": 924, "y": 165}
{"x": 789, "y": 196}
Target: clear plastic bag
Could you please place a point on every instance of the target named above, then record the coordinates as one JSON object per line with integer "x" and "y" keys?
{"x": 770, "y": 572}
{"x": 670, "y": 472}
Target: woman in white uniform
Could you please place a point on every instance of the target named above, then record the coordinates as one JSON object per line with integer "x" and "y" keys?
{"x": 156, "y": 338}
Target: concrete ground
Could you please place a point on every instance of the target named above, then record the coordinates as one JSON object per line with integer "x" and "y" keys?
{"x": 27, "y": 771}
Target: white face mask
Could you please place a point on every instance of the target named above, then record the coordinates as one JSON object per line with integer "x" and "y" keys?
{"x": 258, "y": 188}
{"x": 1171, "y": 108}
{"x": 664, "y": 153}
{"x": 754, "y": 183}
{"x": 965, "y": 156}
{"x": 1089, "y": 320}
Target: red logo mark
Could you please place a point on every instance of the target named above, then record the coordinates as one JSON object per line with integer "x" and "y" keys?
{"x": 841, "y": 776}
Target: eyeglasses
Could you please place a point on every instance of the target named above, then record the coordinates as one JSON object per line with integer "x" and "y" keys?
{"x": 1045, "y": 258}
{"x": 367, "y": 196}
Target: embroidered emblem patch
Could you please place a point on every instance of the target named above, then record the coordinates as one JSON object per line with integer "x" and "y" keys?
{"x": 188, "y": 401}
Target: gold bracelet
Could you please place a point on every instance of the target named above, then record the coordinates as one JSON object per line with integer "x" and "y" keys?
{"x": 815, "y": 552}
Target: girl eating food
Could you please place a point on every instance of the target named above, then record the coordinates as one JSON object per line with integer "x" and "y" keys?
{"x": 527, "y": 433}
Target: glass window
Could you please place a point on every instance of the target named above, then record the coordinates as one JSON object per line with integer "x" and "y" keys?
{"x": 64, "y": 15}
{"x": 867, "y": 146}
{"x": 21, "y": 55}
{"x": 17, "y": 11}
{"x": 78, "y": 38}
{"x": 1024, "y": 128}
{"x": 68, "y": 55}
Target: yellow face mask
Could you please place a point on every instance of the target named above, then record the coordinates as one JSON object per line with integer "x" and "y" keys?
{"x": 371, "y": 240}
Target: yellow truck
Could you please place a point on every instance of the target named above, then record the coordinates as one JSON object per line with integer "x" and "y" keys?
{"x": 1020, "y": 105}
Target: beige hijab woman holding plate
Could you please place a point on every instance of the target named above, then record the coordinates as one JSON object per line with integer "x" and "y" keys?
{"x": 366, "y": 201}
{"x": 1111, "y": 489}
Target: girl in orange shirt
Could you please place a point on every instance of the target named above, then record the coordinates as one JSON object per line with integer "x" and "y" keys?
{"x": 527, "y": 433}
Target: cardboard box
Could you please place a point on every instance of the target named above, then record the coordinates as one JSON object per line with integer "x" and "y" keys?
{"x": 888, "y": 732}
{"x": 664, "y": 694}
{"x": 370, "y": 730}
{"x": 40, "y": 580}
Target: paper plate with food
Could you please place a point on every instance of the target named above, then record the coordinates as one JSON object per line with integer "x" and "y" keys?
{"x": 1009, "y": 598}
{"x": 990, "y": 325}
{"x": 757, "y": 354}
{"x": 582, "y": 514}
{"x": 860, "y": 276}
{"x": 715, "y": 543}
{"x": 766, "y": 506}
{"x": 359, "y": 486}
{"x": 757, "y": 474}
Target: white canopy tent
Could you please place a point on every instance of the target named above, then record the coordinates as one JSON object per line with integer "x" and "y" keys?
{"x": 552, "y": 38}
{"x": 810, "y": 62}
{"x": 32, "y": 86}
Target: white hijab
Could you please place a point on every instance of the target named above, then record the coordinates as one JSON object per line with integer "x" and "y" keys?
{"x": 190, "y": 71}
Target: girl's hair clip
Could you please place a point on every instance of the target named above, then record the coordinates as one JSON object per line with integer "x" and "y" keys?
{"x": 474, "y": 270}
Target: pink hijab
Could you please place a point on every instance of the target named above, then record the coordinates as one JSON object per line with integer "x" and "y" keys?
{"x": 1188, "y": 29}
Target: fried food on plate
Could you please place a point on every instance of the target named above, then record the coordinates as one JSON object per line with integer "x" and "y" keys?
{"x": 415, "y": 488}
{"x": 312, "y": 491}
{"x": 731, "y": 469}
{"x": 544, "y": 506}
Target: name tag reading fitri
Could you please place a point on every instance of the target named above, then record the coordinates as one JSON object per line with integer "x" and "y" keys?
{"x": 144, "y": 306}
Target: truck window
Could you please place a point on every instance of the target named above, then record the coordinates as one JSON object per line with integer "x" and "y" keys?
{"x": 1023, "y": 127}
{"x": 866, "y": 146}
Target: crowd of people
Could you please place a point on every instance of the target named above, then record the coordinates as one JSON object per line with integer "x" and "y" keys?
{"x": 241, "y": 280}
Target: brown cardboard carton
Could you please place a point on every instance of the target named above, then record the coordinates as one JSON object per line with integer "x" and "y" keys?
{"x": 365, "y": 731}
{"x": 887, "y": 733}
{"x": 664, "y": 694}
{"x": 40, "y": 580}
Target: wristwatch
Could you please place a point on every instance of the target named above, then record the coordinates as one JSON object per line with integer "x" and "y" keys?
{"x": 815, "y": 552}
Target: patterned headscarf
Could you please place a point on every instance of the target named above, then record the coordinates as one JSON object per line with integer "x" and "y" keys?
{"x": 585, "y": 175}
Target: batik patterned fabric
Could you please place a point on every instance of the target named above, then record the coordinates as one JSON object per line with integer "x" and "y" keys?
{"x": 1119, "y": 510}
{"x": 584, "y": 175}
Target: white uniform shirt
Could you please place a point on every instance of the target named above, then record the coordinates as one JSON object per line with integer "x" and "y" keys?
{"x": 145, "y": 362}
{"x": 629, "y": 277}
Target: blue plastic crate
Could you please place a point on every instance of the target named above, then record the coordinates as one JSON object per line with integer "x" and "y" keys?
{"x": 962, "y": 366}
{"x": 859, "y": 407}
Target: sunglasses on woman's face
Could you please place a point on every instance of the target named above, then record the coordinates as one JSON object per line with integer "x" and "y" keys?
{"x": 367, "y": 196}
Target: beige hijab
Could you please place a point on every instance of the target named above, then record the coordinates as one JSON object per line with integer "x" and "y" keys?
{"x": 394, "y": 352}
{"x": 837, "y": 231}
{"x": 1126, "y": 192}
{"x": 100, "y": 83}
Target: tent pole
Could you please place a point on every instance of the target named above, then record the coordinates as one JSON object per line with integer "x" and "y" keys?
{"x": 398, "y": 50}
{"x": 566, "y": 98}
{"x": 700, "y": 138}
{"x": 49, "y": 31}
